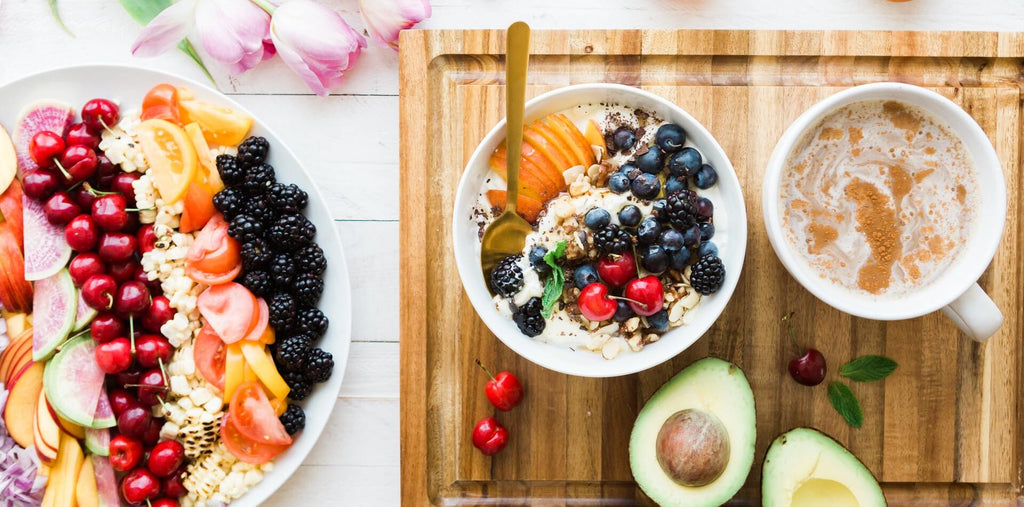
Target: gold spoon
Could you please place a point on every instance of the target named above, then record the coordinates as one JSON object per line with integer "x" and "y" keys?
{"x": 507, "y": 234}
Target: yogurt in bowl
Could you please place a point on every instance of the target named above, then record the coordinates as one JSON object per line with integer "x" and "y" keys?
{"x": 618, "y": 209}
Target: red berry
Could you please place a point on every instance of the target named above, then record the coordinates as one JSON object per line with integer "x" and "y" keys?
{"x": 120, "y": 400}
{"x": 132, "y": 299}
{"x": 109, "y": 212}
{"x": 134, "y": 420}
{"x": 123, "y": 183}
{"x": 106, "y": 171}
{"x": 489, "y": 436}
{"x": 646, "y": 295}
{"x": 151, "y": 349}
{"x": 152, "y": 433}
{"x": 98, "y": 114}
{"x": 159, "y": 312}
{"x": 106, "y": 326}
{"x": 122, "y": 271}
{"x": 84, "y": 266}
{"x": 83, "y": 197}
{"x": 81, "y": 233}
{"x": 164, "y": 502}
{"x": 116, "y": 246}
{"x": 60, "y": 208}
{"x": 44, "y": 146}
{"x": 503, "y": 390}
{"x": 166, "y": 457}
{"x": 125, "y": 453}
{"x": 114, "y": 356}
{"x": 129, "y": 377}
{"x": 79, "y": 134}
{"x": 98, "y": 291}
{"x": 152, "y": 384}
{"x": 40, "y": 184}
{"x": 594, "y": 303}
{"x": 138, "y": 486}
{"x": 146, "y": 238}
{"x": 173, "y": 487}
{"x": 79, "y": 162}
{"x": 808, "y": 369}
{"x": 617, "y": 270}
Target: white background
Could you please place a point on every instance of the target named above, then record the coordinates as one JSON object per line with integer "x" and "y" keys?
{"x": 349, "y": 142}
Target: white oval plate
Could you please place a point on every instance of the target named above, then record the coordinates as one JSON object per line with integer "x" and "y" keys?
{"x": 126, "y": 86}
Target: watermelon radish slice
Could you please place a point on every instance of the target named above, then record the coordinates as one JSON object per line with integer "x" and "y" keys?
{"x": 46, "y": 251}
{"x": 104, "y": 416}
{"x": 36, "y": 117}
{"x": 55, "y": 303}
{"x": 84, "y": 315}
{"x": 106, "y": 483}
{"x": 73, "y": 382}
{"x": 98, "y": 441}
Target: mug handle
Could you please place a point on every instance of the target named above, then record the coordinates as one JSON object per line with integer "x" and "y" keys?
{"x": 975, "y": 314}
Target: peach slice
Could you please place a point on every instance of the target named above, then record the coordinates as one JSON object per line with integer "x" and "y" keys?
{"x": 593, "y": 134}
{"x": 527, "y": 208}
{"x": 528, "y": 182}
{"x": 543, "y": 146}
{"x": 557, "y": 140}
{"x": 578, "y": 140}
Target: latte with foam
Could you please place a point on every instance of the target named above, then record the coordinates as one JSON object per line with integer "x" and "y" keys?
{"x": 879, "y": 197}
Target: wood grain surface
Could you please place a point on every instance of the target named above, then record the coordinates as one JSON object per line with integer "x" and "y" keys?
{"x": 944, "y": 428}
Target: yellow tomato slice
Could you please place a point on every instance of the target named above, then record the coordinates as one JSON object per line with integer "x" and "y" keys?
{"x": 207, "y": 175}
{"x": 171, "y": 156}
{"x": 263, "y": 365}
{"x": 220, "y": 125}
{"x": 234, "y": 370}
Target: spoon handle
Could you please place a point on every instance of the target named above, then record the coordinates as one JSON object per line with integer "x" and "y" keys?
{"x": 517, "y": 56}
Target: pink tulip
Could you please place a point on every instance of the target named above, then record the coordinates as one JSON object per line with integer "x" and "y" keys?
{"x": 315, "y": 42}
{"x": 386, "y": 18}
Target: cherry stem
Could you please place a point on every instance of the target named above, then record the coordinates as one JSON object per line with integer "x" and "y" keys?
{"x": 621, "y": 298}
{"x": 788, "y": 319}
{"x": 162, "y": 388}
{"x": 131, "y": 331}
{"x": 93, "y": 191}
{"x": 105, "y": 126}
{"x": 62, "y": 170}
{"x": 151, "y": 208}
{"x": 163, "y": 371}
{"x": 488, "y": 372}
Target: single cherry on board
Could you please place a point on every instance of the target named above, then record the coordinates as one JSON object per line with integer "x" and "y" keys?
{"x": 489, "y": 436}
{"x": 808, "y": 369}
{"x": 595, "y": 304}
{"x": 503, "y": 390}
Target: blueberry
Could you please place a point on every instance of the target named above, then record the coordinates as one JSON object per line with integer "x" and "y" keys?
{"x": 623, "y": 312}
{"x": 646, "y": 186}
{"x": 672, "y": 240}
{"x": 670, "y": 137}
{"x": 630, "y": 170}
{"x": 706, "y": 249}
{"x": 597, "y": 219}
{"x": 651, "y": 161}
{"x": 705, "y": 209}
{"x": 680, "y": 259}
{"x": 684, "y": 163}
{"x": 654, "y": 259}
{"x": 624, "y": 138}
{"x": 537, "y": 254}
{"x": 630, "y": 215}
{"x": 659, "y": 321}
{"x": 674, "y": 184}
{"x": 618, "y": 183}
{"x": 705, "y": 177}
{"x": 649, "y": 231}
{"x": 658, "y": 210}
{"x": 691, "y": 237}
{"x": 707, "y": 230}
{"x": 584, "y": 276}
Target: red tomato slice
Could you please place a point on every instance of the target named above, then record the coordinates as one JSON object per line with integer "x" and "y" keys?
{"x": 254, "y": 417}
{"x": 209, "y": 279}
{"x": 198, "y": 208}
{"x": 263, "y": 319}
{"x": 208, "y": 353}
{"x": 161, "y": 102}
{"x": 214, "y": 252}
{"x": 244, "y": 448}
{"x": 228, "y": 308}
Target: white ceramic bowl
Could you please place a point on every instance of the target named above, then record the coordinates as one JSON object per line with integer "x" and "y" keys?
{"x": 730, "y": 235}
{"x": 127, "y": 85}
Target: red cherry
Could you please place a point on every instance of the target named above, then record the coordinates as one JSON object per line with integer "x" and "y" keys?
{"x": 808, "y": 369}
{"x": 106, "y": 326}
{"x": 123, "y": 183}
{"x": 114, "y": 356}
{"x": 134, "y": 420}
{"x": 40, "y": 184}
{"x": 98, "y": 114}
{"x": 164, "y": 502}
{"x": 159, "y": 313}
{"x": 120, "y": 400}
{"x": 79, "y": 162}
{"x": 79, "y": 134}
{"x": 139, "y": 485}
{"x": 503, "y": 390}
{"x": 109, "y": 212}
{"x": 125, "y": 453}
{"x": 165, "y": 458}
{"x": 152, "y": 384}
{"x": 116, "y": 246}
{"x": 617, "y": 270}
{"x": 106, "y": 171}
{"x": 150, "y": 350}
{"x": 595, "y": 304}
{"x": 146, "y": 238}
{"x": 489, "y": 436}
{"x": 173, "y": 487}
{"x": 646, "y": 295}
{"x": 60, "y": 208}
{"x": 132, "y": 299}
{"x": 84, "y": 266}
{"x": 154, "y": 285}
{"x": 98, "y": 291}
{"x": 81, "y": 233}
{"x": 44, "y": 146}
{"x": 122, "y": 271}
{"x": 129, "y": 377}
{"x": 152, "y": 433}
{"x": 83, "y": 197}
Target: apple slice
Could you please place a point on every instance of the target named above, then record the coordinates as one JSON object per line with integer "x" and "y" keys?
{"x": 11, "y": 209}
{"x": 15, "y": 290}
{"x": 13, "y": 357}
{"x": 86, "y": 493}
{"x": 20, "y": 413}
{"x": 17, "y": 323}
{"x": 557, "y": 141}
{"x": 47, "y": 433}
{"x": 8, "y": 160}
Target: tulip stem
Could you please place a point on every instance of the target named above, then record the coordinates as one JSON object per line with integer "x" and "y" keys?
{"x": 263, "y": 4}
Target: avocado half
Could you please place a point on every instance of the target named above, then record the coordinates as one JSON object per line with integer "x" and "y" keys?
{"x": 804, "y": 468}
{"x": 714, "y": 398}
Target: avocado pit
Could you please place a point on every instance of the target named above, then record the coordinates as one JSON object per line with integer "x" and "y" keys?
{"x": 693, "y": 447}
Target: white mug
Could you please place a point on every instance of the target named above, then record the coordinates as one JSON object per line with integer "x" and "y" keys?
{"x": 955, "y": 291}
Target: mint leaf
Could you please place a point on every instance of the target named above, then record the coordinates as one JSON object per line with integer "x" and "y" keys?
{"x": 843, "y": 400}
{"x": 555, "y": 282}
{"x": 868, "y": 368}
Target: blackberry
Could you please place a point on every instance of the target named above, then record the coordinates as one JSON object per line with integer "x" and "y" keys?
{"x": 259, "y": 178}
{"x": 282, "y": 271}
{"x": 293, "y": 419}
{"x": 230, "y": 202}
{"x": 292, "y": 231}
{"x": 507, "y": 277}
{"x": 245, "y": 228}
{"x": 259, "y": 207}
{"x": 231, "y": 172}
{"x": 258, "y": 282}
{"x": 282, "y": 311}
{"x": 253, "y": 151}
{"x": 612, "y": 239}
{"x": 529, "y": 319}
{"x": 291, "y": 353}
{"x": 681, "y": 210}
{"x": 310, "y": 259}
{"x": 255, "y": 255}
{"x": 707, "y": 274}
{"x": 307, "y": 288}
{"x": 319, "y": 364}
{"x": 300, "y": 387}
{"x": 288, "y": 198}
{"x": 313, "y": 321}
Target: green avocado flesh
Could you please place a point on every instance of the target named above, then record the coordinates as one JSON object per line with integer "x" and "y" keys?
{"x": 805, "y": 468}
{"x": 717, "y": 393}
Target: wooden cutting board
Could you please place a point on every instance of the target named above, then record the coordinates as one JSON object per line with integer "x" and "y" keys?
{"x": 945, "y": 427}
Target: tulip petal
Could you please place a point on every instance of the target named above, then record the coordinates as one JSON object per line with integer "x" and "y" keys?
{"x": 315, "y": 42}
{"x": 386, "y": 18}
{"x": 232, "y": 32}
{"x": 166, "y": 30}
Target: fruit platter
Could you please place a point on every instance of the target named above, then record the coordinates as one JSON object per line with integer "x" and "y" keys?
{"x": 174, "y": 297}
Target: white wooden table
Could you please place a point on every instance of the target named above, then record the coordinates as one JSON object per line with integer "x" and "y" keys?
{"x": 349, "y": 141}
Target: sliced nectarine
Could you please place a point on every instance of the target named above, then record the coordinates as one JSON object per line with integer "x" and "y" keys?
{"x": 593, "y": 134}
{"x": 549, "y": 150}
{"x": 529, "y": 185}
{"x": 557, "y": 140}
{"x": 554, "y": 174}
{"x": 578, "y": 140}
{"x": 527, "y": 208}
